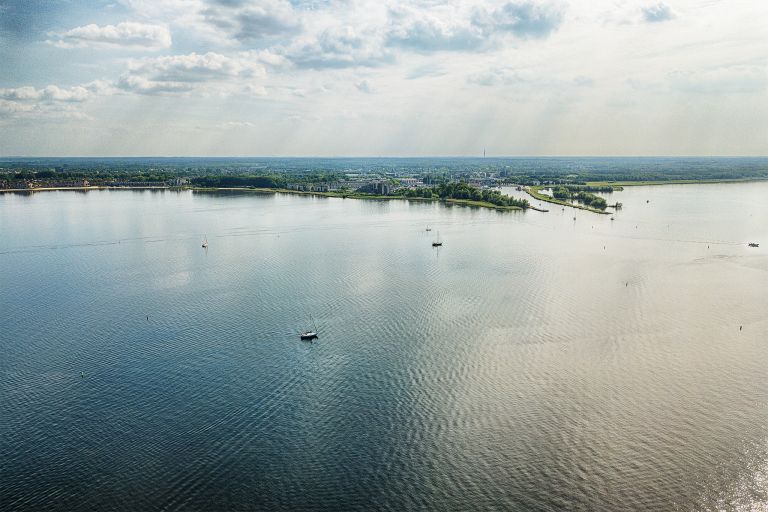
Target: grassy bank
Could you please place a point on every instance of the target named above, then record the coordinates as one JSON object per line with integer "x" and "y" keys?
{"x": 353, "y": 195}
{"x": 535, "y": 192}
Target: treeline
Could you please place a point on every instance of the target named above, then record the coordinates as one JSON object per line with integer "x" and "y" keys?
{"x": 93, "y": 177}
{"x": 570, "y": 193}
{"x": 461, "y": 190}
{"x": 104, "y": 175}
{"x": 590, "y": 188}
{"x": 262, "y": 181}
{"x": 239, "y": 181}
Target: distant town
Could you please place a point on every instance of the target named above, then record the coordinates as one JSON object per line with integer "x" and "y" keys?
{"x": 353, "y": 180}
{"x": 581, "y": 183}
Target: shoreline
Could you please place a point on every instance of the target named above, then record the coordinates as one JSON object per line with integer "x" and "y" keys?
{"x": 95, "y": 187}
{"x": 462, "y": 202}
{"x": 534, "y": 192}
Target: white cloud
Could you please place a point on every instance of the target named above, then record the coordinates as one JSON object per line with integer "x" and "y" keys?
{"x": 14, "y": 107}
{"x": 51, "y": 93}
{"x": 526, "y": 78}
{"x": 470, "y": 27}
{"x": 142, "y": 85}
{"x": 440, "y": 28}
{"x": 526, "y": 20}
{"x": 255, "y": 90}
{"x": 235, "y": 125}
{"x": 155, "y": 9}
{"x": 49, "y": 101}
{"x": 125, "y": 34}
{"x": 364, "y": 86}
{"x": 339, "y": 47}
{"x": 657, "y": 12}
{"x": 194, "y": 67}
{"x": 183, "y": 73}
{"x": 252, "y": 21}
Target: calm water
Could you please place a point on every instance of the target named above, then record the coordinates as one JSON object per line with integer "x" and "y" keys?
{"x": 533, "y": 363}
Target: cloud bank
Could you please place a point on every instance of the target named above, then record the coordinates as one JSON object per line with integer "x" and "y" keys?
{"x": 125, "y": 34}
{"x": 385, "y": 76}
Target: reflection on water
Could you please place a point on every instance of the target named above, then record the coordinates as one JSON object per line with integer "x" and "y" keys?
{"x": 534, "y": 362}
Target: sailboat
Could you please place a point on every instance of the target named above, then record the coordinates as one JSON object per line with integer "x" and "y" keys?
{"x": 437, "y": 242}
{"x": 205, "y": 242}
{"x": 309, "y": 334}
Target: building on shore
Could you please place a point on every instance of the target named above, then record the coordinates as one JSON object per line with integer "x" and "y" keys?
{"x": 410, "y": 182}
{"x": 382, "y": 188}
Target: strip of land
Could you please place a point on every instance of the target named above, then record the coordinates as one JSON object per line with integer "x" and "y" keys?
{"x": 262, "y": 190}
{"x": 353, "y": 195}
{"x": 535, "y": 192}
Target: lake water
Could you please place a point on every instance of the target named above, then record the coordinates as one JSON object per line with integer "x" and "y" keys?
{"x": 534, "y": 362}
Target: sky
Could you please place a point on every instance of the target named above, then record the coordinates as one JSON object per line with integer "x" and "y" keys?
{"x": 383, "y": 78}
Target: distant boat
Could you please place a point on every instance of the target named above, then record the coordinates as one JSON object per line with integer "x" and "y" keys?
{"x": 612, "y": 218}
{"x": 311, "y": 334}
{"x": 437, "y": 242}
{"x": 753, "y": 244}
{"x": 429, "y": 228}
{"x": 205, "y": 243}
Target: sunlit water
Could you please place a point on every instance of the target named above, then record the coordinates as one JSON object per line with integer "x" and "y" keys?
{"x": 534, "y": 362}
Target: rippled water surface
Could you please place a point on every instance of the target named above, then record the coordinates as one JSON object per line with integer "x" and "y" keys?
{"x": 534, "y": 362}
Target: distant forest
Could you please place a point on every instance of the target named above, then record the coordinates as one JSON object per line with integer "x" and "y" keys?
{"x": 276, "y": 172}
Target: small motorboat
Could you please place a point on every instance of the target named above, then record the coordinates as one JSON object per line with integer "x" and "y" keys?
{"x": 309, "y": 334}
{"x": 753, "y": 244}
{"x": 205, "y": 243}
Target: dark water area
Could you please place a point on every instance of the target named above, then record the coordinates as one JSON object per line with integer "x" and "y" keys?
{"x": 534, "y": 362}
